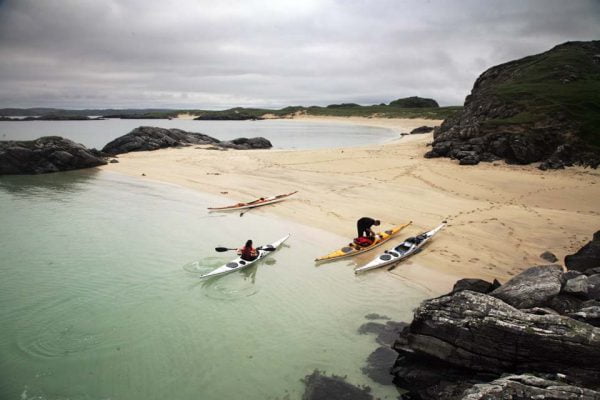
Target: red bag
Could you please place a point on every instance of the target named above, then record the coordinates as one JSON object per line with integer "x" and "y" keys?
{"x": 363, "y": 241}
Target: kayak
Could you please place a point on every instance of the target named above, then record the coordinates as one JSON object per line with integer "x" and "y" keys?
{"x": 239, "y": 264}
{"x": 404, "y": 250}
{"x": 353, "y": 249}
{"x": 263, "y": 201}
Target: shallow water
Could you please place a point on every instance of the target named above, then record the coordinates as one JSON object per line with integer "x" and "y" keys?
{"x": 100, "y": 296}
{"x": 283, "y": 134}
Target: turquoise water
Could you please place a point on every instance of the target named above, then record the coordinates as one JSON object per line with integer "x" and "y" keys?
{"x": 283, "y": 134}
{"x": 100, "y": 296}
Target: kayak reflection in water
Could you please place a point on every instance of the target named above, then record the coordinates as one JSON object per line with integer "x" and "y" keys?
{"x": 248, "y": 252}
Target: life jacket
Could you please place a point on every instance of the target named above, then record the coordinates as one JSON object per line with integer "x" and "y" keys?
{"x": 248, "y": 253}
{"x": 363, "y": 241}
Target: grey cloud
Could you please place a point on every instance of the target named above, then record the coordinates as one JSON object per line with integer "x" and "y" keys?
{"x": 207, "y": 54}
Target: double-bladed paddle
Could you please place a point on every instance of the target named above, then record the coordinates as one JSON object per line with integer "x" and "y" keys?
{"x": 222, "y": 249}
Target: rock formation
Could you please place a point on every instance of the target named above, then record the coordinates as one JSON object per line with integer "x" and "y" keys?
{"x": 146, "y": 138}
{"x": 542, "y": 108}
{"x": 541, "y": 325}
{"x": 587, "y": 257}
{"x": 415, "y": 102}
{"x": 46, "y": 154}
{"x": 322, "y": 387}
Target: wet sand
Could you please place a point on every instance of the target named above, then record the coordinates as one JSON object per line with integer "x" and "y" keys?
{"x": 500, "y": 217}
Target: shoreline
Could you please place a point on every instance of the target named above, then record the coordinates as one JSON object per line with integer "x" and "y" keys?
{"x": 500, "y": 217}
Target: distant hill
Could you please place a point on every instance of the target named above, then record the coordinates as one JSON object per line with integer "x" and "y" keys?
{"x": 544, "y": 107}
{"x": 414, "y": 102}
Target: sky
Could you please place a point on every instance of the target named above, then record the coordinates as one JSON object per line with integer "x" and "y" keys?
{"x": 200, "y": 54}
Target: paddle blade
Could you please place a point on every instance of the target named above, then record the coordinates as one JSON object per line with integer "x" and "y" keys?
{"x": 222, "y": 249}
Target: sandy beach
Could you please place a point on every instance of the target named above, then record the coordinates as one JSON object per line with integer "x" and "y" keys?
{"x": 500, "y": 217}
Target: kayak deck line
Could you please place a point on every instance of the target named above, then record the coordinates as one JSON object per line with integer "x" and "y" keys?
{"x": 354, "y": 250}
{"x": 239, "y": 263}
{"x": 407, "y": 248}
{"x": 262, "y": 201}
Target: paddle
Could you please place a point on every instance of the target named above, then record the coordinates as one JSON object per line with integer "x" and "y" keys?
{"x": 222, "y": 249}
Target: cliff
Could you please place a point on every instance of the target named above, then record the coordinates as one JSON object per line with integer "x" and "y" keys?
{"x": 542, "y": 108}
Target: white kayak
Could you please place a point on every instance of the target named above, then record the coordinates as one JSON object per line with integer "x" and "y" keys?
{"x": 238, "y": 263}
{"x": 405, "y": 249}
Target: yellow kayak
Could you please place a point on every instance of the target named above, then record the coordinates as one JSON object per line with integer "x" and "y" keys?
{"x": 353, "y": 249}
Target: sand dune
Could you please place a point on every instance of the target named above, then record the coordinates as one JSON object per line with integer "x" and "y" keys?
{"x": 500, "y": 217}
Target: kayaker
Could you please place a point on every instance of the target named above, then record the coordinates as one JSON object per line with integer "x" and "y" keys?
{"x": 248, "y": 252}
{"x": 364, "y": 225}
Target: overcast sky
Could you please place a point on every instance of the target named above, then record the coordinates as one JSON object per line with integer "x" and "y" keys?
{"x": 268, "y": 53}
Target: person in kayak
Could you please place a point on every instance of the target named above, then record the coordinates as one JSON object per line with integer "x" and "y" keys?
{"x": 363, "y": 227}
{"x": 248, "y": 252}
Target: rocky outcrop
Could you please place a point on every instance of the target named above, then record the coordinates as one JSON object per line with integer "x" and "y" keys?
{"x": 534, "y": 287}
{"x": 542, "y": 323}
{"x": 147, "y": 138}
{"x": 528, "y": 387}
{"x": 506, "y": 116}
{"x": 422, "y": 129}
{"x": 43, "y": 155}
{"x": 587, "y": 257}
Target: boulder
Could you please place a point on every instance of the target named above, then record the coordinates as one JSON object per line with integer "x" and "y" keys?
{"x": 577, "y": 286}
{"x": 475, "y": 285}
{"x": 482, "y": 333}
{"x": 379, "y": 365}
{"x": 422, "y": 129}
{"x": 527, "y": 387}
{"x": 534, "y": 287}
{"x": 43, "y": 155}
{"x": 147, "y": 138}
{"x": 591, "y": 271}
{"x": 548, "y": 256}
{"x": 593, "y": 291}
{"x": 587, "y": 257}
{"x": 589, "y": 315}
{"x": 565, "y": 304}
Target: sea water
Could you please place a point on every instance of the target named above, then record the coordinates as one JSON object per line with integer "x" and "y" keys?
{"x": 100, "y": 296}
{"x": 283, "y": 134}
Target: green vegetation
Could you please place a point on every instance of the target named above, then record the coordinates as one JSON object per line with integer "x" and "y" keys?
{"x": 240, "y": 113}
{"x": 563, "y": 83}
{"x": 414, "y": 102}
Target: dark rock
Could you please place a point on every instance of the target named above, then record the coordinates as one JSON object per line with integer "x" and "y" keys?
{"x": 548, "y": 256}
{"x": 247, "y": 144}
{"x": 422, "y": 129}
{"x": 429, "y": 378}
{"x": 591, "y": 271}
{"x": 589, "y": 315}
{"x": 594, "y": 287}
{"x": 46, "y": 154}
{"x": 114, "y": 161}
{"x": 479, "y": 332}
{"x": 379, "y": 365}
{"x": 475, "y": 285}
{"x": 534, "y": 287}
{"x": 565, "y": 304}
{"x": 146, "y": 138}
{"x": 527, "y": 387}
{"x": 569, "y": 275}
{"x": 577, "y": 286}
{"x": 513, "y": 126}
{"x": 323, "y": 387}
{"x": 469, "y": 160}
{"x": 587, "y": 257}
